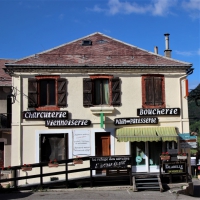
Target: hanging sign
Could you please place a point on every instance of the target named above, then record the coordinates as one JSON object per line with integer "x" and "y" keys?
{"x": 136, "y": 120}
{"x": 67, "y": 122}
{"x": 157, "y": 111}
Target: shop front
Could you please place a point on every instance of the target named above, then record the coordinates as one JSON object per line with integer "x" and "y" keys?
{"x": 146, "y": 145}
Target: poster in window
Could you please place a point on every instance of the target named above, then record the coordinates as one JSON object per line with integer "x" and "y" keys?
{"x": 81, "y": 142}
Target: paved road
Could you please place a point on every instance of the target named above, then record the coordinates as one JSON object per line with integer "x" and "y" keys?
{"x": 86, "y": 194}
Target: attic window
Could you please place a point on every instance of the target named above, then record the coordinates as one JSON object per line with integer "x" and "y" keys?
{"x": 86, "y": 43}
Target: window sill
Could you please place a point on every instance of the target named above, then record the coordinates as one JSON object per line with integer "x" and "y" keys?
{"x": 98, "y": 110}
{"x": 48, "y": 108}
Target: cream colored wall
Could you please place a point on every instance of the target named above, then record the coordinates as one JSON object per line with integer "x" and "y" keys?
{"x": 131, "y": 100}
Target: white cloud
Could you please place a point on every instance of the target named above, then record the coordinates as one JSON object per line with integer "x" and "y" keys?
{"x": 192, "y": 7}
{"x": 188, "y": 53}
{"x": 154, "y": 7}
{"x": 162, "y": 7}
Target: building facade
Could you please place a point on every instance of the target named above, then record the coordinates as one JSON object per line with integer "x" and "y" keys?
{"x": 5, "y": 115}
{"x": 98, "y": 96}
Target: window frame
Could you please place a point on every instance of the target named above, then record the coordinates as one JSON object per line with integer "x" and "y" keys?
{"x": 60, "y": 93}
{"x": 144, "y": 92}
{"x": 66, "y": 152}
{"x": 114, "y": 90}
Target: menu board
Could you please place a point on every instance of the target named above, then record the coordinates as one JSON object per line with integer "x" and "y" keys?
{"x": 81, "y": 142}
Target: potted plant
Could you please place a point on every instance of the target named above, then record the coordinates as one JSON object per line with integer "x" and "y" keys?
{"x": 26, "y": 167}
{"x": 53, "y": 163}
{"x": 77, "y": 160}
{"x": 182, "y": 156}
{"x": 6, "y": 170}
{"x": 165, "y": 156}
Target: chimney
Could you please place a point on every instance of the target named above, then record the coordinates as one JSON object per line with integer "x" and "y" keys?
{"x": 167, "y": 50}
{"x": 156, "y": 50}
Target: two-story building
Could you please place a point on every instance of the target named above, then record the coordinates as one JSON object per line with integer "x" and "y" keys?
{"x": 98, "y": 96}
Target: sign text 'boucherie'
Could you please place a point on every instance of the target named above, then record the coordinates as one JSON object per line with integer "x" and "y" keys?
{"x": 136, "y": 120}
{"x": 157, "y": 111}
{"x": 45, "y": 114}
{"x": 67, "y": 122}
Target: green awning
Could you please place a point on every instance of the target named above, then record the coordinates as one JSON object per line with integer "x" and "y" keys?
{"x": 146, "y": 134}
{"x": 167, "y": 133}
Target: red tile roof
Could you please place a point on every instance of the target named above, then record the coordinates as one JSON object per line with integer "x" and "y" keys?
{"x": 5, "y": 79}
{"x": 104, "y": 51}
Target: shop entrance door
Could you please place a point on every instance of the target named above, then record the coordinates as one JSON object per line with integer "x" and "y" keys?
{"x": 145, "y": 156}
{"x": 102, "y": 147}
{"x": 102, "y": 144}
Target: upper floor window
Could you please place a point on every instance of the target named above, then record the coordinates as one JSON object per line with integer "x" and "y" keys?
{"x": 46, "y": 91}
{"x": 153, "y": 91}
{"x": 101, "y": 90}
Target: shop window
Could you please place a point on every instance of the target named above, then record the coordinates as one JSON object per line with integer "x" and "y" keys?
{"x": 153, "y": 91}
{"x": 53, "y": 146}
{"x": 46, "y": 91}
{"x": 101, "y": 90}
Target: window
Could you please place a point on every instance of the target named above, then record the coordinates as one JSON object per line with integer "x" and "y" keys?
{"x": 53, "y": 146}
{"x": 46, "y": 91}
{"x": 153, "y": 92}
{"x": 101, "y": 90}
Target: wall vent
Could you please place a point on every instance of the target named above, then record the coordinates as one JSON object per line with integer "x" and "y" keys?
{"x": 86, "y": 43}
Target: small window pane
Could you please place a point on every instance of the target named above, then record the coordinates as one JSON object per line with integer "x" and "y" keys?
{"x": 101, "y": 94}
{"x": 47, "y": 92}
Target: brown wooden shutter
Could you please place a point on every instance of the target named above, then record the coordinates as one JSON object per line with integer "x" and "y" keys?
{"x": 87, "y": 92}
{"x": 32, "y": 93}
{"x": 116, "y": 91}
{"x": 62, "y": 92}
{"x": 158, "y": 90}
{"x": 149, "y": 88}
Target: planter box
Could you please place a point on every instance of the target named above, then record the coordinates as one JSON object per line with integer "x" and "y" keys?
{"x": 26, "y": 168}
{"x": 53, "y": 165}
{"x": 165, "y": 157}
{"x": 78, "y": 162}
{"x": 182, "y": 157}
{"x": 6, "y": 171}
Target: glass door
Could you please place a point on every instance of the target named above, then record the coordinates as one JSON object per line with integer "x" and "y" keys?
{"x": 146, "y": 156}
{"x": 138, "y": 152}
{"x": 155, "y": 149}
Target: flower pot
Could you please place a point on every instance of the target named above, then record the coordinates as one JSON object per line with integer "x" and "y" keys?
{"x": 26, "y": 168}
{"x": 53, "y": 164}
{"x": 165, "y": 157}
{"x": 5, "y": 171}
{"x": 78, "y": 162}
{"x": 182, "y": 157}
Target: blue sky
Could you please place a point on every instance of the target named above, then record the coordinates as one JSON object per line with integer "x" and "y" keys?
{"x": 32, "y": 26}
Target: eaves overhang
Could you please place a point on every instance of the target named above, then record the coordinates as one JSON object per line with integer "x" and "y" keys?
{"x": 11, "y": 68}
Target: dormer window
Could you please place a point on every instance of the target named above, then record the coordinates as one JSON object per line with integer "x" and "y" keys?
{"x": 86, "y": 43}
